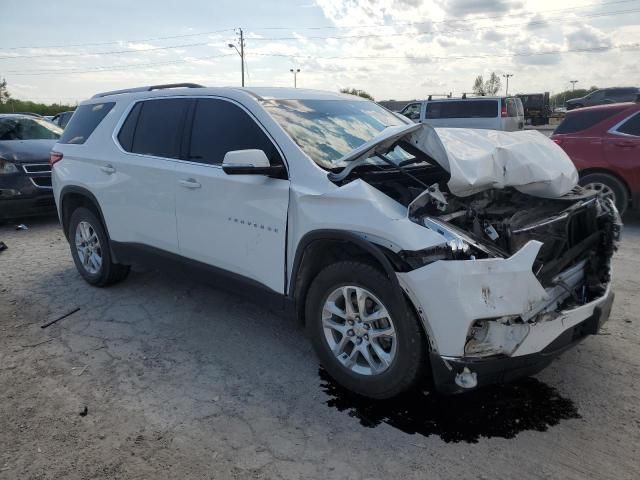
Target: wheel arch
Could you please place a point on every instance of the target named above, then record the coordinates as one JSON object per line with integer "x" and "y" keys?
{"x": 611, "y": 173}
{"x": 321, "y": 248}
{"x": 72, "y": 197}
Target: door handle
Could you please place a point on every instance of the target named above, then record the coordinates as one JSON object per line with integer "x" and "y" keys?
{"x": 108, "y": 169}
{"x": 190, "y": 183}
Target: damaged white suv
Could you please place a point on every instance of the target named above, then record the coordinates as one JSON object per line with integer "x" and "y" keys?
{"x": 469, "y": 254}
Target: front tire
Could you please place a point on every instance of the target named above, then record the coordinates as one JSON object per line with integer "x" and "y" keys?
{"x": 367, "y": 339}
{"x": 90, "y": 250}
{"x": 607, "y": 186}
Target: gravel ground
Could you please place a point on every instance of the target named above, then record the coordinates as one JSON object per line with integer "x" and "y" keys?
{"x": 160, "y": 377}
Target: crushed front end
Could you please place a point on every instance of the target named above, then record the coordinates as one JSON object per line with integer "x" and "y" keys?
{"x": 517, "y": 280}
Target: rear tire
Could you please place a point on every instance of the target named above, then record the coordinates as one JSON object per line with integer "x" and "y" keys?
{"x": 379, "y": 358}
{"x": 90, "y": 249}
{"x": 608, "y": 186}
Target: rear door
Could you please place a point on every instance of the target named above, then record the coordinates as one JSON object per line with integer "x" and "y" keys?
{"x": 622, "y": 148}
{"x": 233, "y": 222}
{"x": 138, "y": 201}
{"x": 512, "y": 120}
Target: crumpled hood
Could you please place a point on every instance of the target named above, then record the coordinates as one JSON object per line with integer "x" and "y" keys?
{"x": 481, "y": 159}
{"x": 25, "y": 151}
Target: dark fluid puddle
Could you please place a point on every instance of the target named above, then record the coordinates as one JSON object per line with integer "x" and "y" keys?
{"x": 495, "y": 411}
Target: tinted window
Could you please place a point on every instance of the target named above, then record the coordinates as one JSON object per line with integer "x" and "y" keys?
{"x": 22, "y": 128}
{"x": 631, "y": 126}
{"x": 125, "y": 137}
{"x": 84, "y": 121}
{"x": 159, "y": 128}
{"x": 581, "y": 120}
{"x": 219, "y": 127}
{"x": 463, "y": 109}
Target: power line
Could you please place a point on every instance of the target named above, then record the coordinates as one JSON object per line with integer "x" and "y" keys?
{"x": 113, "y": 68}
{"x": 602, "y": 48}
{"x": 429, "y": 32}
{"x": 116, "y": 42}
{"x": 597, "y": 49}
{"x": 113, "y": 52}
{"x": 408, "y": 24}
{"x": 328, "y": 27}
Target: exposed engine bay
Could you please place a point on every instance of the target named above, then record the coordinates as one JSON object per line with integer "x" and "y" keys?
{"x": 579, "y": 229}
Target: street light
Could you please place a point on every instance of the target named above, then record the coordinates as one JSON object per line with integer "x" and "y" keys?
{"x": 240, "y": 52}
{"x": 507, "y": 75}
{"x": 295, "y": 76}
{"x": 573, "y": 84}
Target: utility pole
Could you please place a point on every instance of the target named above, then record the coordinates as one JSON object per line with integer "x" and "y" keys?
{"x": 507, "y": 75}
{"x": 240, "y": 52}
{"x": 573, "y": 84}
{"x": 295, "y": 76}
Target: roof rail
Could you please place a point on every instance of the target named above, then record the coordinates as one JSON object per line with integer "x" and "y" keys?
{"x": 148, "y": 89}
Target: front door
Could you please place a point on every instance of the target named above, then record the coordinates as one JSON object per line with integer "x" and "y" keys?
{"x": 233, "y": 222}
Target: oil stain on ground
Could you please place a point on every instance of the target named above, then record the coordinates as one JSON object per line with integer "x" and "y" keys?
{"x": 496, "y": 411}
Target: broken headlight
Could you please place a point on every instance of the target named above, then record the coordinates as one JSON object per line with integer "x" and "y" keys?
{"x": 497, "y": 336}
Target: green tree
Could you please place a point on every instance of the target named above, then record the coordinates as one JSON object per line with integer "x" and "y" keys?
{"x": 355, "y": 91}
{"x": 4, "y": 93}
{"x": 491, "y": 86}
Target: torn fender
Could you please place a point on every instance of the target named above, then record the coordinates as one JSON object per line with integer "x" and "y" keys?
{"x": 482, "y": 159}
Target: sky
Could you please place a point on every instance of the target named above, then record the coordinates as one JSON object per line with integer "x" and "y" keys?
{"x": 66, "y": 51}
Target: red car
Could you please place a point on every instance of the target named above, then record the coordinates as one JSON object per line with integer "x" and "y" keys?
{"x": 604, "y": 144}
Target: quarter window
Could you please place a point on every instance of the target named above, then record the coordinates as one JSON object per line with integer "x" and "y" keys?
{"x": 84, "y": 121}
{"x": 631, "y": 126}
{"x": 158, "y": 130}
{"x": 219, "y": 127}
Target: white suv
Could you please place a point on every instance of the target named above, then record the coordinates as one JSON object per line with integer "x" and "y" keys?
{"x": 469, "y": 254}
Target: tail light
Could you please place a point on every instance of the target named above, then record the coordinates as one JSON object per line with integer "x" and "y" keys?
{"x": 54, "y": 157}
{"x": 503, "y": 111}
{"x": 557, "y": 140}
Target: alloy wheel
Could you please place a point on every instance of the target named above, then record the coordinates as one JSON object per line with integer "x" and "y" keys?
{"x": 604, "y": 190}
{"x": 359, "y": 330}
{"x": 88, "y": 247}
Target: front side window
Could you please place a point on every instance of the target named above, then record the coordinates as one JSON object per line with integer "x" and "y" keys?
{"x": 220, "y": 126}
{"x": 22, "y": 128}
{"x": 83, "y": 122}
{"x": 631, "y": 126}
{"x": 326, "y": 130}
{"x": 597, "y": 95}
{"x": 412, "y": 111}
{"x": 158, "y": 130}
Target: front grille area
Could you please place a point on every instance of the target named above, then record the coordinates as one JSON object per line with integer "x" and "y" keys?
{"x": 37, "y": 168}
{"x": 42, "y": 182}
{"x": 38, "y": 173}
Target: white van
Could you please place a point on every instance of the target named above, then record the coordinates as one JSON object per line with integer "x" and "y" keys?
{"x": 493, "y": 113}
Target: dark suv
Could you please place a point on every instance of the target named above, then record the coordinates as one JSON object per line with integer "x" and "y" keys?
{"x": 604, "y": 96}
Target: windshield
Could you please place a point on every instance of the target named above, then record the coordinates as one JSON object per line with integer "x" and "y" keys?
{"x": 326, "y": 130}
{"x": 22, "y": 128}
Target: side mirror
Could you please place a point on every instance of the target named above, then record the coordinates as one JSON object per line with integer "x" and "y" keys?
{"x": 250, "y": 162}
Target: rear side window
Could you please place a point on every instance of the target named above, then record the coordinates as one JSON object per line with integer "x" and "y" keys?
{"x": 631, "y": 126}
{"x": 463, "y": 109}
{"x": 219, "y": 127}
{"x": 158, "y": 130}
{"x": 84, "y": 121}
{"x": 584, "y": 119}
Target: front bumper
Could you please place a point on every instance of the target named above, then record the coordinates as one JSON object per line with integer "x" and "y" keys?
{"x": 21, "y": 196}
{"x": 447, "y": 371}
